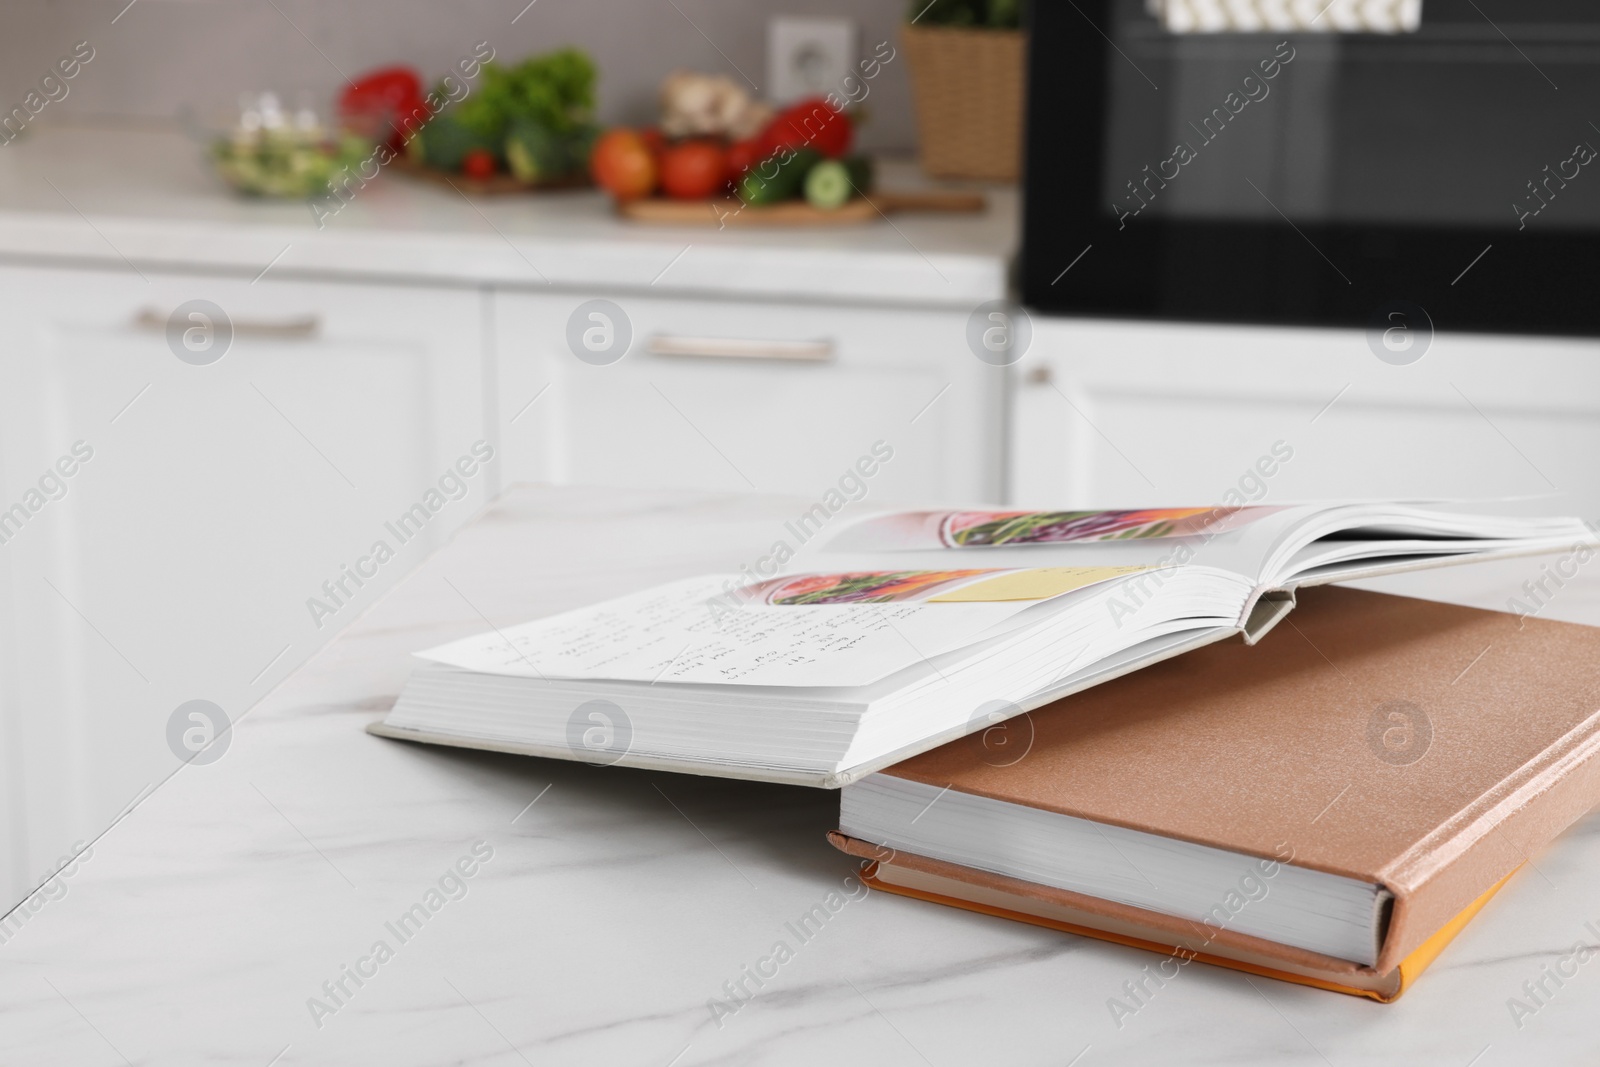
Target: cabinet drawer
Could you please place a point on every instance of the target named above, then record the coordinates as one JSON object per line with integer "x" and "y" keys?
{"x": 1130, "y": 414}
{"x": 733, "y": 395}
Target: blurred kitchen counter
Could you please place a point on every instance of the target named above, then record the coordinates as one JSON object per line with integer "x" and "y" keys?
{"x": 147, "y": 199}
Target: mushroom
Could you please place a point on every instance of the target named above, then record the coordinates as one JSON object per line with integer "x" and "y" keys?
{"x": 695, "y": 104}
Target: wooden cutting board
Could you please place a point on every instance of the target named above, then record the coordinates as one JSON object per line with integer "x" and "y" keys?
{"x": 664, "y": 212}
{"x": 498, "y": 185}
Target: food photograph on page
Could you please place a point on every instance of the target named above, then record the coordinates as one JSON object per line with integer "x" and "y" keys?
{"x": 983, "y": 529}
{"x": 883, "y": 587}
{"x": 937, "y": 532}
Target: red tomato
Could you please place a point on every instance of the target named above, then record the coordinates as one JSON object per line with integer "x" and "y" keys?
{"x": 742, "y": 155}
{"x": 694, "y": 170}
{"x": 479, "y": 163}
{"x": 809, "y": 124}
{"x": 622, "y": 165}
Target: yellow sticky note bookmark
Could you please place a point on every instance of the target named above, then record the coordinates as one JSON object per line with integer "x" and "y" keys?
{"x": 1036, "y": 583}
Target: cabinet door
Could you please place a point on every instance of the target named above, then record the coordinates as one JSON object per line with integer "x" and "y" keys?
{"x": 746, "y": 396}
{"x": 207, "y": 505}
{"x": 1133, "y": 414}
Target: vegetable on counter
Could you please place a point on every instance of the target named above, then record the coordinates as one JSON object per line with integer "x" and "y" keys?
{"x": 813, "y": 124}
{"x": 742, "y": 155}
{"x": 694, "y": 170}
{"x": 709, "y": 105}
{"x": 623, "y": 165}
{"x": 555, "y": 90}
{"x": 446, "y": 142}
{"x": 532, "y": 119}
{"x": 715, "y": 140}
{"x": 268, "y": 153}
{"x": 377, "y": 105}
{"x": 479, "y": 164}
{"x": 778, "y": 179}
{"x": 833, "y": 181}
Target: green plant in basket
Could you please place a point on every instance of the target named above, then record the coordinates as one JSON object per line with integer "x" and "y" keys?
{"x": 977, "y": 14}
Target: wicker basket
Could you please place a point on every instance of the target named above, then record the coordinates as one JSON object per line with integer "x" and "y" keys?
{"x": 968, "y": 87}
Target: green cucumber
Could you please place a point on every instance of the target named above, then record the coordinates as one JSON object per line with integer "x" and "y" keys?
{"x": 860, "y": 168}
{"x": 772, "y": 181}
{"x": 834, "y": 181}
{"x": 828, "y": 185}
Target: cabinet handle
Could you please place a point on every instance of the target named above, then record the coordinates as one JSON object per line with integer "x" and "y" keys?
{"x": 293, "y": 327}
{"x": 665, "y": 344}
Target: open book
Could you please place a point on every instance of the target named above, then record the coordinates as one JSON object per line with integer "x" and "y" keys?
{"x": 905, "y": 630}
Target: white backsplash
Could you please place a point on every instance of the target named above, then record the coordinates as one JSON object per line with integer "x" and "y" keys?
{"x": 160, "y": 57}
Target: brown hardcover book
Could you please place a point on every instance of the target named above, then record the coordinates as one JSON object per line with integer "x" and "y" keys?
{"x": 1325, "y": 807}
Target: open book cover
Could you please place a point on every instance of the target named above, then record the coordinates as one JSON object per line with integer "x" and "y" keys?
{"x": 904, "y": 630}
{"x": 1330, "y": 806}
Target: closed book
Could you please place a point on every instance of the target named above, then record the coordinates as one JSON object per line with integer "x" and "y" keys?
{"x": 1329, "y": 806}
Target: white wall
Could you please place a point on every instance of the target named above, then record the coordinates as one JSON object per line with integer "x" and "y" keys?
{"x": 163, "y": 55}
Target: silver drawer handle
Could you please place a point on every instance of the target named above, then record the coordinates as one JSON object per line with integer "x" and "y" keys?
{"x": 665, "y": 344}
{"x": 298, "y": 326}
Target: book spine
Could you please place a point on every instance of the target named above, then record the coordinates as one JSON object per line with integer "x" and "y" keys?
{"x": 1444, "y": 872}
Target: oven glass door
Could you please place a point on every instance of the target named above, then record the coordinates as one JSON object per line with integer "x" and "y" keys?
{"x": 1316, "y": 161}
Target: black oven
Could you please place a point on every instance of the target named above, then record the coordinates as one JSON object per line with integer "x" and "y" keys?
{"x": 1321, "y": 163}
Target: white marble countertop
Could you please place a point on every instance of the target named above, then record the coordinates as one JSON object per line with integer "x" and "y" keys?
{"x": 616, "y": 904}
{"x": 147, "y": 197}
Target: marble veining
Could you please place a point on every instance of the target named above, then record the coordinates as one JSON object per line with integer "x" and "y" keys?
{"x": 617, "y": 903}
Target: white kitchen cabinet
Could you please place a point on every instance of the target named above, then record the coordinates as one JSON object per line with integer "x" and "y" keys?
{"x": 219, "y": 498}
{"x": 737, "y": 395}
{"x": 1107, "y": 413}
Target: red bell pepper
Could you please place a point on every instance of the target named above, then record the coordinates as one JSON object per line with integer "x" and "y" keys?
{"x": 381, "y": 103}
{"x": 811, "y": 123}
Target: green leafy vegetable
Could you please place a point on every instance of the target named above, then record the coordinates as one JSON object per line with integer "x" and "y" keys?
{"x": 555, "y": 89}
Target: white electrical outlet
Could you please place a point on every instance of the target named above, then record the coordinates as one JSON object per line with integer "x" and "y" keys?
{"x": 808, "y": 56}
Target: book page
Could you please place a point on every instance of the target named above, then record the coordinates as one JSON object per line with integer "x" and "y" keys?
{"x": 1259, "y": 542}
{"x": 840, "y": 629}
{"x": 986, "y": 529}
{"x": 1238, "y": 539}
